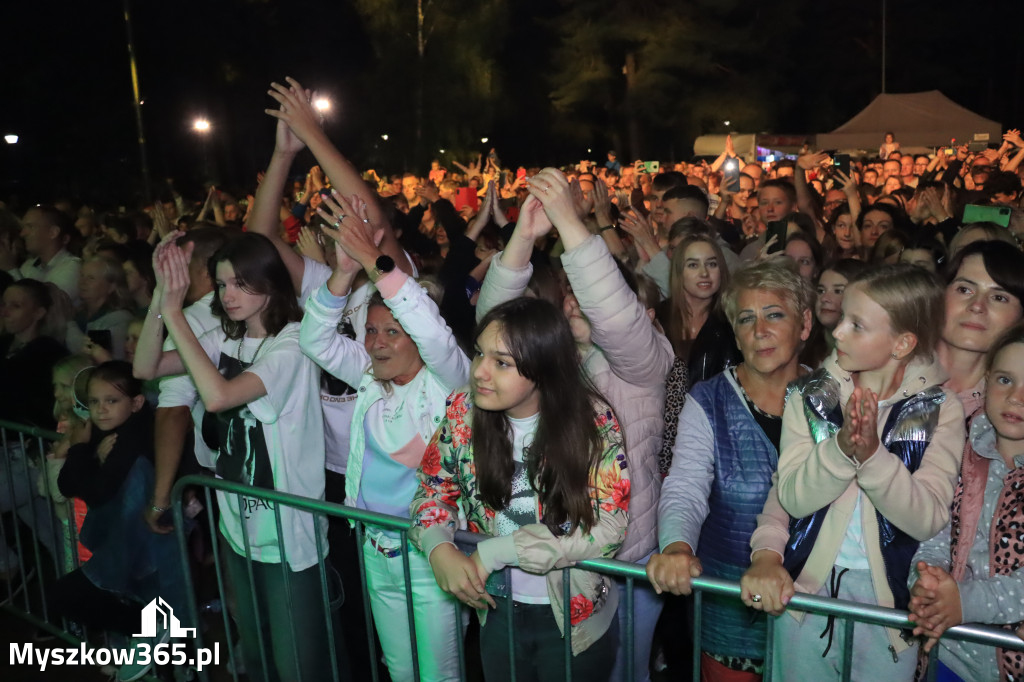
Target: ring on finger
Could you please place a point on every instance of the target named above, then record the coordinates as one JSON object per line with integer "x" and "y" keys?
{"x": 756, "y": 598}
{"x": 337, "y": 224}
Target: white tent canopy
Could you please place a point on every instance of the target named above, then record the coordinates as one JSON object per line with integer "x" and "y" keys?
{"x": 920, "y": 121}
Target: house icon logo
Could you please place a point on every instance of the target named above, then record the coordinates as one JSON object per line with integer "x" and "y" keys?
{"x": 159, "y": 615}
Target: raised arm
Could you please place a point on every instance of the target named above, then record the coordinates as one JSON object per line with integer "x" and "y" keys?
{"x": 151, "y": 361}
{"x": 265, "y": 217}
{"x": 637, "y": 352}
{"x": 605, "y": 224}
{"x": 341, "y": 356}
{"x": 511, "y": 270}
{"x": 1013, "y": 137}
{"x": 409, "y": 303}
{"x": 304, "y": 122}
{"x": 804, "y": 193}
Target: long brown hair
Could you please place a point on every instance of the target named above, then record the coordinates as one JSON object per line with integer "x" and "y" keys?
{"x": 567, "y": 447}
{"x": 679, "y": 312}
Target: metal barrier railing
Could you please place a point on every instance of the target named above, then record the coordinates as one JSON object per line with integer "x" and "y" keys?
{"x": 24, "y": 449}
{"x": 26, "y": 502}
{"x": 845, "y": 610}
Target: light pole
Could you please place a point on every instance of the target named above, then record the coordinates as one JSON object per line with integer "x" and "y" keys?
{"x": 137, "y": 103}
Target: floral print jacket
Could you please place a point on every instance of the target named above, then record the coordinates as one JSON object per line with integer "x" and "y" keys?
{"x": 447, "y": 477}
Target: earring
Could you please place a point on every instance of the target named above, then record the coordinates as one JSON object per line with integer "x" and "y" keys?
{"x": 892, "y": 355}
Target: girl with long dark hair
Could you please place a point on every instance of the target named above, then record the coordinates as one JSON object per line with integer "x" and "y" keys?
{"x": 261, "y": 395}
{"x": 535, "y": 456}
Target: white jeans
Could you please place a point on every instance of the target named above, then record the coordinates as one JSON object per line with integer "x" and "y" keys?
{"x": 437, "y": 633}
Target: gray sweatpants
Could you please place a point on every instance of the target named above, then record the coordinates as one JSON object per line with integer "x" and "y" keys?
{"x": 797, "y": 654}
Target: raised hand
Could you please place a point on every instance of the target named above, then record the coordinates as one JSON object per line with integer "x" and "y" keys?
{"x": 169, "y": 240}
{"x": 1013, "y": 137}
{"x": 428, "y": 191}
{"x": 640, "y": 229}
{"x": 173, "y": 273}
{"x": 285, "y": 141}
{"x": 161, "y": 224}
{"x": 472, "y": 169}
{"x": 352, "y": 231}
{"x": 602, "y": 204}
{"x": 317, "y": 177}
{"x": 335, "y": 209}
{"x": 811, "y": 161}
{"x": 534, "y": 222}
{"x": 296, "y": 109}
{"x": 496, "y": 211}
{"x": 309, "y": 245}
{"x": 559, "y": 197}
{"x": 846, "y": 182}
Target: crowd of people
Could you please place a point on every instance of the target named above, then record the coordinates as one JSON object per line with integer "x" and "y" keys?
{"x": 805, "y": 375}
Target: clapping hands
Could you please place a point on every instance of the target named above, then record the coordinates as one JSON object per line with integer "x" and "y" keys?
{"x": 170, "y": 263}
{"x": 858, "y": 438}
{"x": 296, "y": 111}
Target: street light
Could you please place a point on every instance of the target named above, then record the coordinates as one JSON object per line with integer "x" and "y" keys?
{"x": 202, "y": 126}
{"x": 322, "y": 104}
{"x": 11, "y": 138}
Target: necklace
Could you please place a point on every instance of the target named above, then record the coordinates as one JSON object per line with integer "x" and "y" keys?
{"x": 238, "y": 353}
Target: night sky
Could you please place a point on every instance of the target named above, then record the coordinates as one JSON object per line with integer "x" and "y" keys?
{"x": 796, "y": 67}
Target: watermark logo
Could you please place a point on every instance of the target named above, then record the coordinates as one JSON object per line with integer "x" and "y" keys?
{"x": 158, "y": 615}
{"x": 150, "y": 646}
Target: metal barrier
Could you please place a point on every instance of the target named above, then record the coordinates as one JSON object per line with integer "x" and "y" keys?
{"x": 26, "y": 502}
{"x": 24, "y": 450}
{"x": 844, "y": 610}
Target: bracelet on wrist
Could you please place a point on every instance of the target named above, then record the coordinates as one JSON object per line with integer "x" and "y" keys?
{"x": 158, "y": 510}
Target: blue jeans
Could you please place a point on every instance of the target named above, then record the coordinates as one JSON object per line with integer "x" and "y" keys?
{"x": 539, "y": 647}
{"x": 647, "y": 606}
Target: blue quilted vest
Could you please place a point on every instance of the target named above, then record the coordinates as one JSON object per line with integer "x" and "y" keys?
{"x": 744, "y": 463}
{"x": 907, "y": 432}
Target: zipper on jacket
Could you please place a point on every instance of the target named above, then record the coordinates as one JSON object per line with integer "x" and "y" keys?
{"x": 892, "y": 650}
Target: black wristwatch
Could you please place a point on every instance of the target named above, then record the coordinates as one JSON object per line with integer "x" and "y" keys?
{"x": 383, "y": 266}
